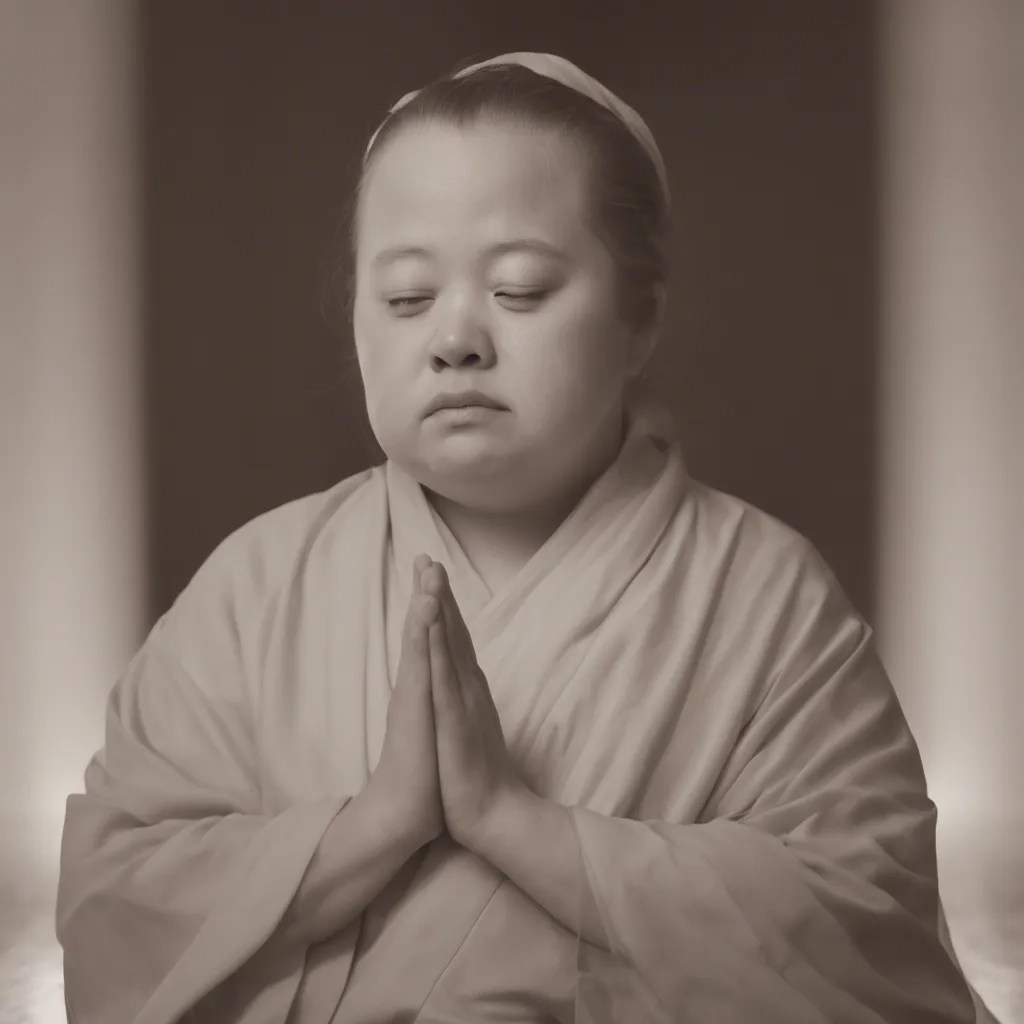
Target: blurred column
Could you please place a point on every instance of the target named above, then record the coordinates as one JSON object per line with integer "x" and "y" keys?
{"x": 952, "y": 604}
{"x": 71, "y": 535}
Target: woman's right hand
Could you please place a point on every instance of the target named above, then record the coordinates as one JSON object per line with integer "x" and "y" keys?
{"x": 406, "y": 776}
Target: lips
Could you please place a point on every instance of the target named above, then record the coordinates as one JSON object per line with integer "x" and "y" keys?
{"x": 463, "y": 400}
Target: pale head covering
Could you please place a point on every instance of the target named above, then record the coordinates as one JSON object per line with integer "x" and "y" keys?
{"x": 561, "y": 70}
{"x": 643, "y": 403}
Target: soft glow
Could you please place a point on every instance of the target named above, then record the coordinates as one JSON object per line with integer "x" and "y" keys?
{"x": 32, "y": 982}
{"x": 73, "y": 476}
{"x": 952, "y": 440}
{"x": 71, "y": 541}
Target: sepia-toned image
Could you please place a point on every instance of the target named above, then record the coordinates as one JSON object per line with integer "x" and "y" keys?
{"x": 511, "y": 512}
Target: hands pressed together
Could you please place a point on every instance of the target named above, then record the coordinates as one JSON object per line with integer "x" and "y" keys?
{"x": 444, "y": 764}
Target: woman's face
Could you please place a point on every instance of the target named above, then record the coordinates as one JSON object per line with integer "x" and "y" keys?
{"x": 477, "y": 269}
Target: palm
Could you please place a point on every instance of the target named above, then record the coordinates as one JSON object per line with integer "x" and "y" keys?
{"x": 474, "y": 765}
{"x": 408, "y": 767}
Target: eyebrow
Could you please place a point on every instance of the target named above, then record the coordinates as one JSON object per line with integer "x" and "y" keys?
{"x": 534, "y": 245}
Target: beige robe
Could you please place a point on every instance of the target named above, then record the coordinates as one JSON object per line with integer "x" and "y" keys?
{"x": 680, "y": 669}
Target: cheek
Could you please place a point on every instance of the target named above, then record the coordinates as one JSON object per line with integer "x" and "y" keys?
{"x": 581, "y": 357}
{"x": 387, "y": 385}
{"x": 372, "y": 354}
{"x": 375, "y": 348}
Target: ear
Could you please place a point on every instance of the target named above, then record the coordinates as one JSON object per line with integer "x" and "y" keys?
{"x": 646, "y": 341}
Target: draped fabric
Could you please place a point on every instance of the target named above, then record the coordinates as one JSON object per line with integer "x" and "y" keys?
{"x": 679, "y": 669}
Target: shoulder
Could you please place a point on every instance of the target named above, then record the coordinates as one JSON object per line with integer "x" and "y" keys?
{"x": 261, "y": 550}
{"x": 234, "y": 589}
{"x": 754, "y": 542}
{"x": 775, "y": 595}
{"x": 765, "y": 565}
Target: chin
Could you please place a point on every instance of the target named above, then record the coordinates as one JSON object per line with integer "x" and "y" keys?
{"x": 468, "y": 477}
{"x": 467, "y": 469}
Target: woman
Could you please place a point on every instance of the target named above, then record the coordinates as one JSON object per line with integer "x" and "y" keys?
{"x": 525, "y": 724}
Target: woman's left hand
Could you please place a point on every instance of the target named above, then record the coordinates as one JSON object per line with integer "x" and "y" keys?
{"x": 478, "y": 775}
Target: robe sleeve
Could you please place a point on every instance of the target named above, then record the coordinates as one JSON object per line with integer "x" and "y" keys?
{"x": 807, "y": 892}
{"x": 172, "y": 881}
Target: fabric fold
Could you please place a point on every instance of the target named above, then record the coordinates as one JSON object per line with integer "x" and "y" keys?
{"x": 171, "y": 881}
{"x": 806, "y": 889}
{"x": 176, "y": 868}
{"x": 677, "y": 668}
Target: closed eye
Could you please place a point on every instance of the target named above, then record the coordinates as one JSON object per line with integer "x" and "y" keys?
{"x": 517, "y": 301}
{"x": 408, "y": 305}
{"x": 521, "y": 301}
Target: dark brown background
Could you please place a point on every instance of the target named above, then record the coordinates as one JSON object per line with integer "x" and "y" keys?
{"x": 255, "y": 119}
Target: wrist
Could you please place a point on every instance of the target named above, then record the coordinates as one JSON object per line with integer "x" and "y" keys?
{"x": 507, "y": 819}
{"x": 393, "y": 821}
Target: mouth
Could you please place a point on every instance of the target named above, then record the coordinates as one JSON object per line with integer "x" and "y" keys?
{"x": 463, "y": 401}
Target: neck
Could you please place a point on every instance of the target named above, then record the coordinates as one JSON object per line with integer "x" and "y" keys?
{"x": 516, "y": 534}
{"x": 499, "y": 542}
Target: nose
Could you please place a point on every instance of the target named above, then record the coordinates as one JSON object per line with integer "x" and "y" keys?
{"x": 461, "y": 339}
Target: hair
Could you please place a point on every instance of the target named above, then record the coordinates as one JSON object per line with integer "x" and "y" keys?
{"x": 628, "y": 204}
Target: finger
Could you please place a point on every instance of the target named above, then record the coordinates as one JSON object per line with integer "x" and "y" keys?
{"x": 450, "y": 611}
{"x": 461, "y": 655}
{"x": 423, "y": 610}
{"x": 459, "y": 638}
{"x": 430, "y": 611}
{"x": 413, "y": 610}
{"x": 414, "y": 667}
{"x": 420, "y": 564}
{"x": 422, "y": 606}
{"x": 431, "y": 578}
{"x": 443, "y": 681}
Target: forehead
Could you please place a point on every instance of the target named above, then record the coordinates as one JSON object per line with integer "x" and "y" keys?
{"x": 480, "y": 178}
